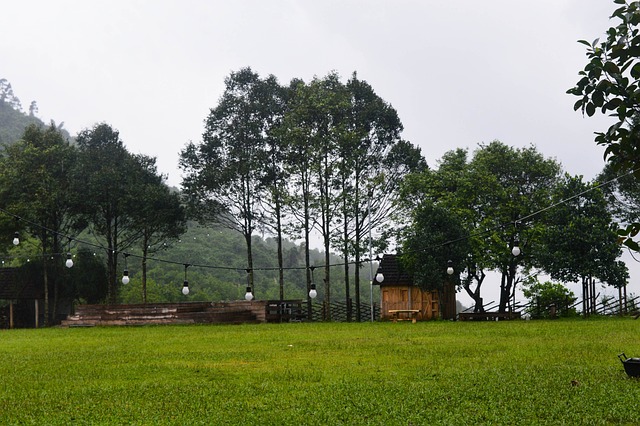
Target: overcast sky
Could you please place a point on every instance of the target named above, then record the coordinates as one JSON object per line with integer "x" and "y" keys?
{"x": 459, "y": 73}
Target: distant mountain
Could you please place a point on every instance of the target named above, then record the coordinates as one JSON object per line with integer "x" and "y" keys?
{"x": 13, "y": 123}
{"x": 13, "y": 120}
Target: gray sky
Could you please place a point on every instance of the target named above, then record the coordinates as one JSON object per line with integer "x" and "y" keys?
{"x": 459, "y": 73}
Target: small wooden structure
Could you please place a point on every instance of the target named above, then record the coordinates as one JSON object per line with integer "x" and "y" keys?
{"x": 20, "y": 290}
{"x": 402, "y": 299}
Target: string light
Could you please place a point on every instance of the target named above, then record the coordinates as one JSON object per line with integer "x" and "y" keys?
{"x": 248, "y": 296}
{"x": 516, "y": 248}
{"x": 516, "y": 251}
{"x": 450, "y": 267}
{"x": 312, "y": 288}
{"x": 125, "y": 274}
{"x": 69, "y": 261}
{"x": 185, "y": 284}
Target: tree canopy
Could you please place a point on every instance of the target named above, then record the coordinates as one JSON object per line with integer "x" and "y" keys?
{"x": 610, "y": 84}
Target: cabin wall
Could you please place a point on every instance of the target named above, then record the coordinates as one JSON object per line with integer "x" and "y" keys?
{"x": 409, "y": 297}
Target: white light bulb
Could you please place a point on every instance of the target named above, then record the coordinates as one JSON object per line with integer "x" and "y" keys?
{"x": 515, "y": 251}
{"x": 16, "y": 239}
{"x": 379, "y": 277}
{"x": 313, "y": 293}
{"x": 125, "y": 278}
{"x": 69, "y": 262}
{"x": 450, "y": 270}
{"x": 185, "y": 288}
{"x": 248, "y": 296}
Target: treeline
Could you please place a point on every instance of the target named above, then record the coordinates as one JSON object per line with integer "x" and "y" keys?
{"x": 323, "y": 157}
{"x": 308, "y": 161}
{"x": 51, "y": 191}
{"x": 513, "y": 211}
{"x": 292, "y": 162}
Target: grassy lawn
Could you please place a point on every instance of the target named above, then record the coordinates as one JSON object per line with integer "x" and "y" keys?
{"x": 457, "y": 373}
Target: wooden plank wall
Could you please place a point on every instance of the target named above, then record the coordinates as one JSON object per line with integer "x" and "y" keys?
{"x": 410, "y": 297}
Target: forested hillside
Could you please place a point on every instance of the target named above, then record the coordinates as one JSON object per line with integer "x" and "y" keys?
{"x": 13, "y": 120}
{"x": 217, "y": 269}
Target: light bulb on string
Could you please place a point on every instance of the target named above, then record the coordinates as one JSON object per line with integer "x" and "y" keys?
{"x": 313, "y": 293}
{"x": 450, "y": 267}
{"x": 69, "y": 262}
{"x": 125, "y": 274}
{"x": 248, "y": 296}
{"x": 516, "y": 248}
{"x": 379, "y": 275}
{"x": 16, "y": 238}
{"x": 185, "y": 284}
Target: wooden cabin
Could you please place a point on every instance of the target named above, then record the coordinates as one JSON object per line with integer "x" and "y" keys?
{"x": 398, "y": 293}
{"x": 25, "y": 296}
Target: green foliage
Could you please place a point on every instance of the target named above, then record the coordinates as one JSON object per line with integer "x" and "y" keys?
{"x": 88, "y": 277}
{"x": 434, "y": 238}
{"x": 526, "y": 372}
{"x": 610, "y": 84}
{"x": 489, "y": 195}
{"x": 542, "y": 296}
{"x": 218, "y": 269}
{"x": 579, "y": 238}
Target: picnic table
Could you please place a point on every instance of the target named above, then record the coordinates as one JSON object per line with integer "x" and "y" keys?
{"x": 404, "y": 314}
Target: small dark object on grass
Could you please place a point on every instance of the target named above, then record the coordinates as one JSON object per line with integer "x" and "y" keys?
{"x": 631, "y": 365}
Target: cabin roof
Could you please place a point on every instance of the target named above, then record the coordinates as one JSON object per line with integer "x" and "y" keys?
{"x": 393, "y": 272}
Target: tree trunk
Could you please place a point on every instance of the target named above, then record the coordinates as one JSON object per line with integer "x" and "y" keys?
{"x": 145, "y": 253}
{"x": 280, "y": 255}
{"x": 346, "y": 257}
{"x": 46, "y": 290}
{"x": 250, "y": 283}
{"x": 475, "y": 294}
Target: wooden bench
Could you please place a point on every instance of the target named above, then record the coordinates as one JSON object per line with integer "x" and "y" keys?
{"x": 412, "y": 314}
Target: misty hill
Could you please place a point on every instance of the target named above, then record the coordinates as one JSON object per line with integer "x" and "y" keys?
{"x": 217, "y": 259}
{"x": 13, "y": 120}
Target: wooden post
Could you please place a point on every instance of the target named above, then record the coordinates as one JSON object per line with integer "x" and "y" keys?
{"x": 11, "y": 314}
{"x": 37, "y": 313}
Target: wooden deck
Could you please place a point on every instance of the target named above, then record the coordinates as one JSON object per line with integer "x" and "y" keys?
{"x": 488, "y": 316}
{"x": 233, "y": 312}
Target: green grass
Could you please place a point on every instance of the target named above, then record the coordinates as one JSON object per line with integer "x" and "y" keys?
{"x": 323, "y": 374}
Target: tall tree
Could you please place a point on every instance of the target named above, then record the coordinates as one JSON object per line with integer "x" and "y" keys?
{"x": 106, "y": 194}
{"x": 518, "y": 182}
{"x": 490, "y": 195}
{"x": 298, "y": 132}
{"x": 36, "y": 179}
{"x": 373, "y": 161}
{"x": 158, "y": 217}
{"x": 275, "y": 175}
{"x": 224, "y": 173}
{"x": 579, "y": 242}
